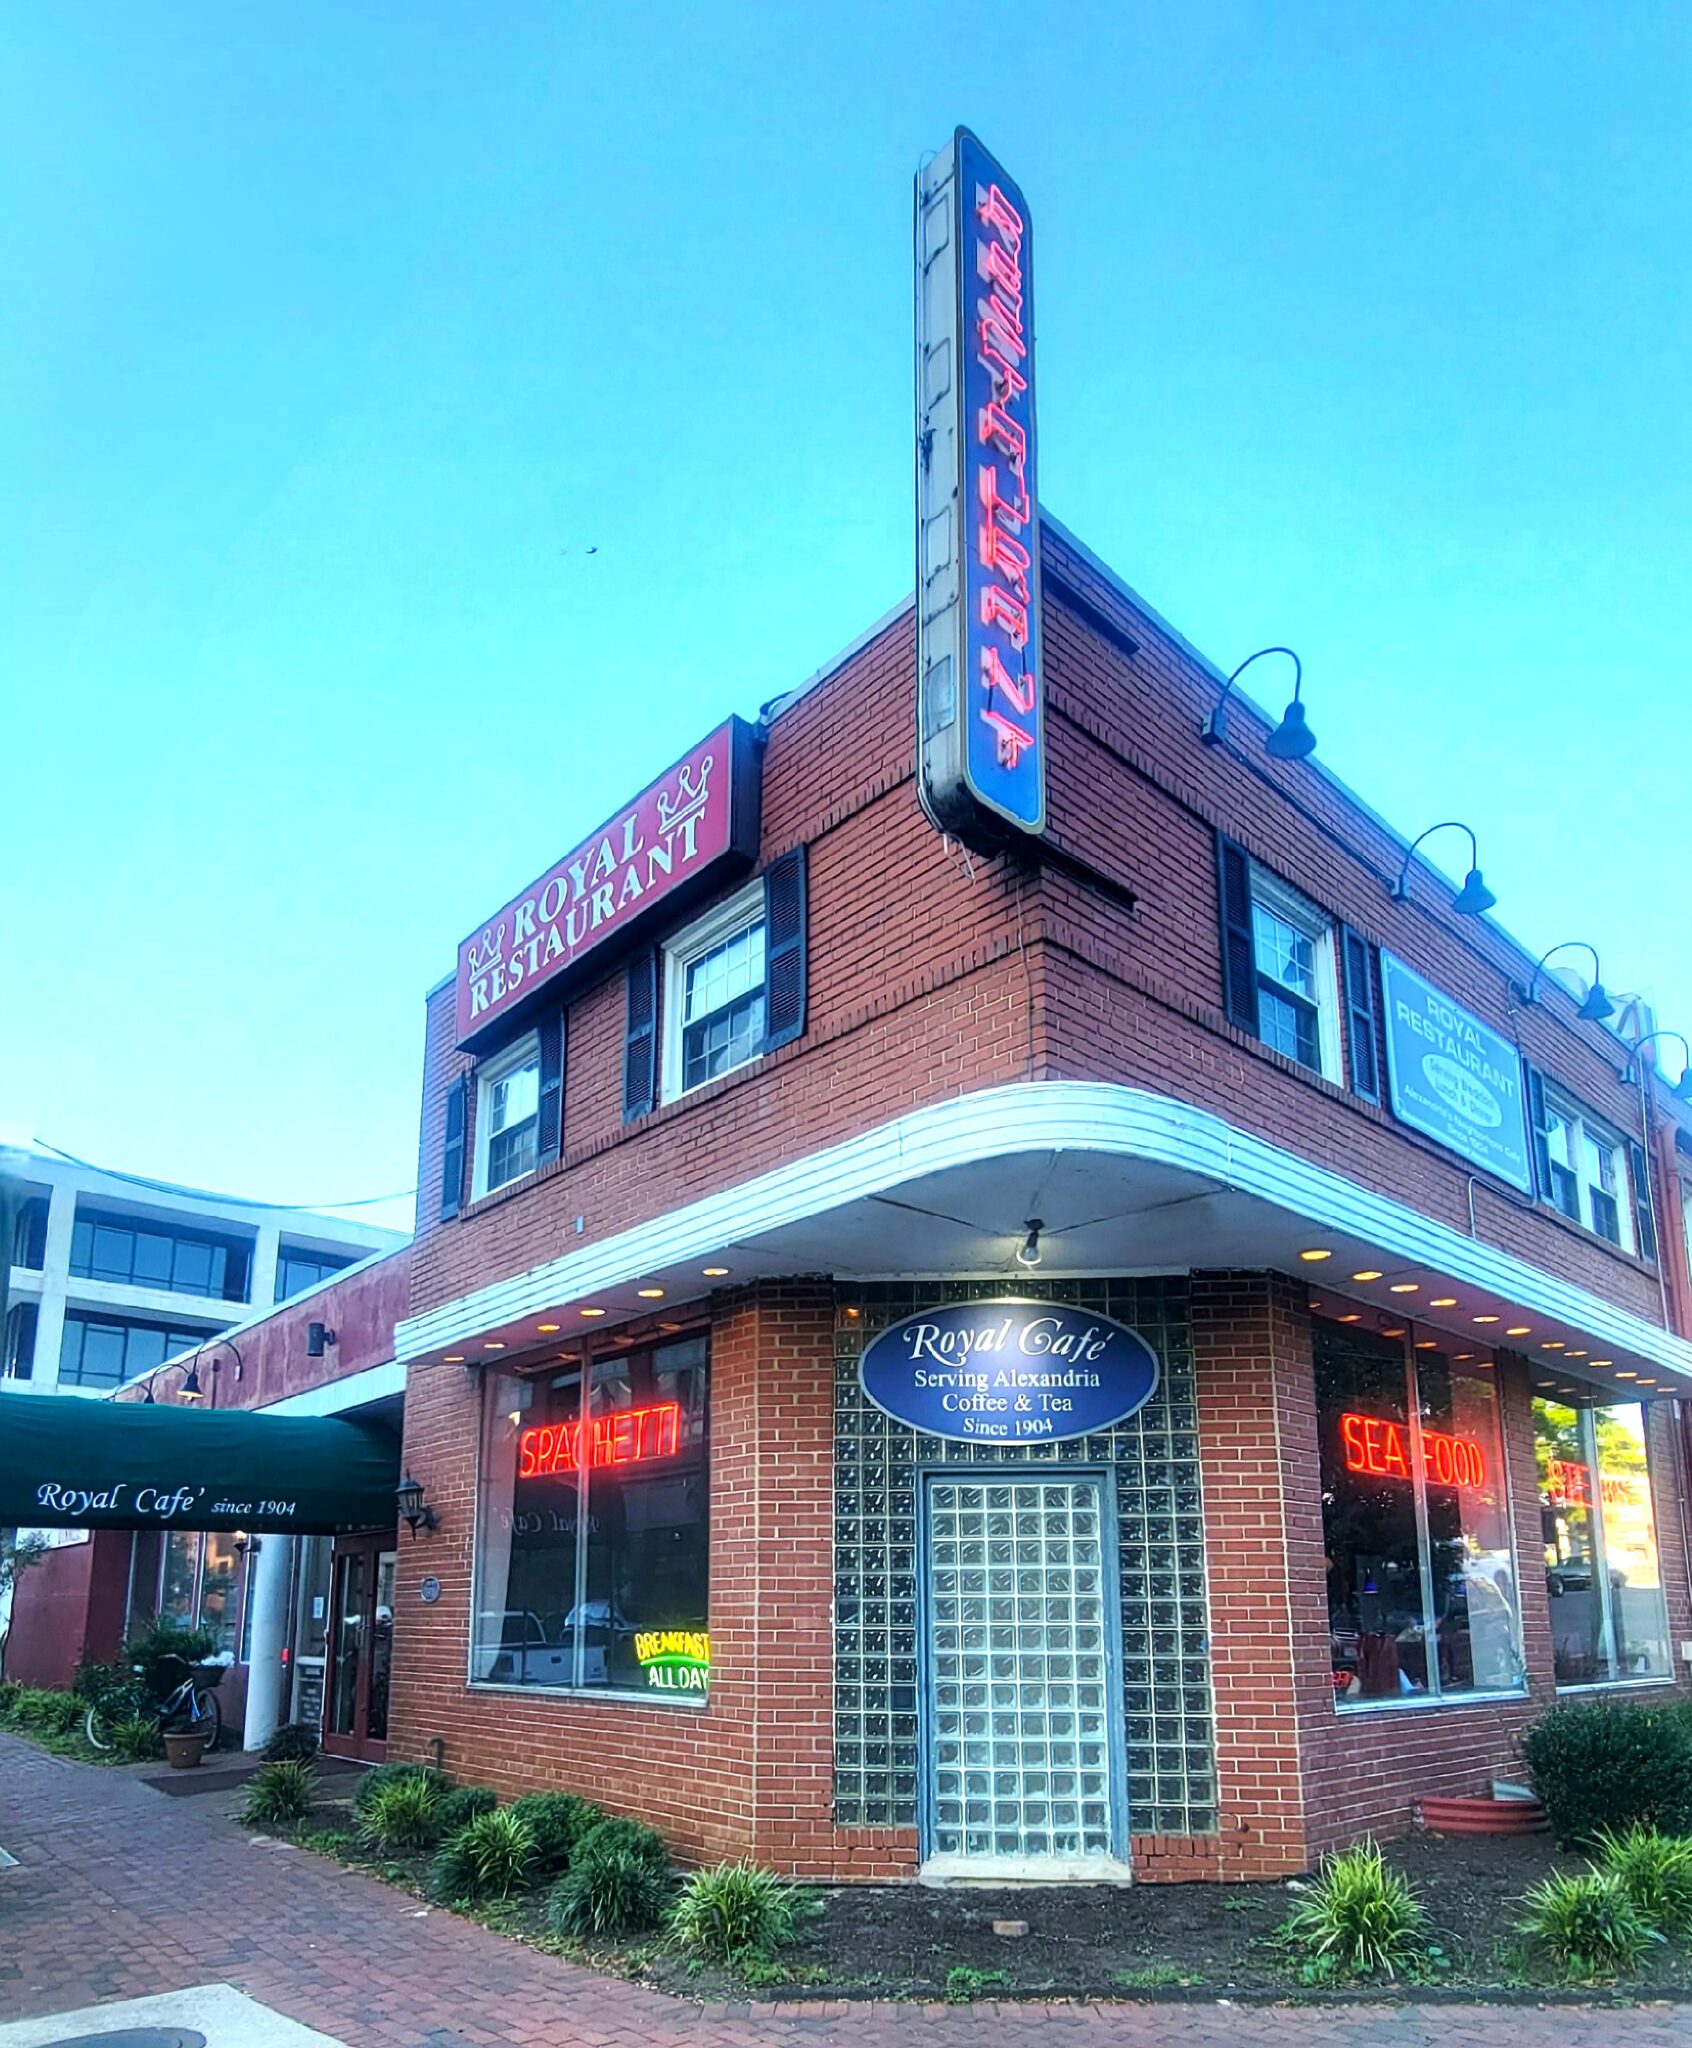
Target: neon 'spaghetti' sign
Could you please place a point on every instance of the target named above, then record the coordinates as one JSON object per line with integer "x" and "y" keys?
{"x": 628, "y": 1436}
{"x": 1381, "y": 1448}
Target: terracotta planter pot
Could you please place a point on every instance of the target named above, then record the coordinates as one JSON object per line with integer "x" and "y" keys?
{"x": 184, "y": 1748}
{"x": 1480, "y": 1816}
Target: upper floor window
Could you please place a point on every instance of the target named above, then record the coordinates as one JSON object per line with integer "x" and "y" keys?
{"x": 17, "y": 1358}
{"x": 1297, "y": 988}
{"x": 132, "y": 1253}
{"x": 106, "y": 1351}
{"x": 1588, "y": 1170}
{"x": 508, "y": 1115}
{"x": 29, "y": 1233}
{"x": 714, "y": 994}
{"x": 298, "y": 1270}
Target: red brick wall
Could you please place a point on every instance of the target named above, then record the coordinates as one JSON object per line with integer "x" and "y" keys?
{"x": 67, "y": 1610}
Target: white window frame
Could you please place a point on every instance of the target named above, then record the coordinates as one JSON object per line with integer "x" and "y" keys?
{"x": 723, "y": 922}
{"x": 1286, "y": 903}
{"x": 1586, "y": 1132}
{"x": 516, "y": 1055}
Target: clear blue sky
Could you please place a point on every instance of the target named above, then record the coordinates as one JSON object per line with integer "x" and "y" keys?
{"x": 333, "y": 336}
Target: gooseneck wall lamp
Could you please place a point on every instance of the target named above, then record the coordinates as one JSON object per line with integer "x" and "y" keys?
{"x": 1595, "y": 1005}
{"x": 1292, "y": 739}
{"x": 191, "y": 1389}
{"x": 1474, "y": 898}
{"x": 1635, "y": 1068}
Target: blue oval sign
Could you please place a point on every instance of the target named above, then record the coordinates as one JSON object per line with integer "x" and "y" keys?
{"x": 1016, "y": 1372}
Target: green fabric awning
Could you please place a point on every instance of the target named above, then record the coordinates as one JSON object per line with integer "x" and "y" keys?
{"x": 75, "y": 1464}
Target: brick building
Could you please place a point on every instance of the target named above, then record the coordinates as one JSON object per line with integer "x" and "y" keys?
{"x": 1410, "y": 1468}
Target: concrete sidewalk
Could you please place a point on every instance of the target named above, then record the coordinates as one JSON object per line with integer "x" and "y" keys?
{"x": 121, "y": 1893}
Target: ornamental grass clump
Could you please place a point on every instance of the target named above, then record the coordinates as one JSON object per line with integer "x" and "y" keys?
{"x": 1587, "y": 1925}
{"x": 1655, "y": 1871}
{"x": 278, "y": 1795}
{"x": 1355, "y": 1918}
{"x": 489, "y": 1858}
{"x": 558, "y": 1821}
{"x": 371, "y": 1783}
{"x": 609, "y": 1890}
{"x": 736, "y": 1910}
{"x": 402, "y": 1817}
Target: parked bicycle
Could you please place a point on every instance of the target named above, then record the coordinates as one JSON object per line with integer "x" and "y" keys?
{"x": 191, "y": 1704}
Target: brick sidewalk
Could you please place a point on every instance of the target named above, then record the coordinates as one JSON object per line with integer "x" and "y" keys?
{"x": 122, "y": 1892}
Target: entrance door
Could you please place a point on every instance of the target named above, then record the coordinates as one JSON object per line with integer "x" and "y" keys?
{"x": 360, "y": 1648}
{"x": 1023, "y": 1768}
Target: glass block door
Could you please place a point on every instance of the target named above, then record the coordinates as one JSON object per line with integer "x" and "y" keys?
{"x": 1021, "y": 1750}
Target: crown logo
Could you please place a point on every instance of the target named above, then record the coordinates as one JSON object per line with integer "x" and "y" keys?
{"x": 689, "y": 798}
{"x": 485, "y": 951}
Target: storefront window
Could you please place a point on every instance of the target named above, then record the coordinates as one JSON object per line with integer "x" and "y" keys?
{"x": 1608, "y": 1622}
{"x": 219, "y": 1579}
{"x": 594, "y": 1507}
{"x": 1422, "y": 1599}
{"x": 176, "y": 1587}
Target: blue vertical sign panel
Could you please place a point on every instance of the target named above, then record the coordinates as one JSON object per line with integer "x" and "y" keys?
{"x": 1454, "y": 1078}
{"x": 980, "y": 657}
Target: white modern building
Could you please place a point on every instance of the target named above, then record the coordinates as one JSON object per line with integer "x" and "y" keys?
{"x": 113, "y": 1273}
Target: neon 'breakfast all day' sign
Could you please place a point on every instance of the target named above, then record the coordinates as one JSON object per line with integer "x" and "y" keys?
{"x": 700, "y": 815}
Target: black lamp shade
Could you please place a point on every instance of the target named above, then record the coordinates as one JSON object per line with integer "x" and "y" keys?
{"x": 191, "y": 1385}
{"x": 1597, "y": 1005}
{"x": 1292, "y": 739}
{"x": 1474, "y": 898}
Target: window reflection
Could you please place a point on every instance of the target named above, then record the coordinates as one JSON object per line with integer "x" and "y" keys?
{"x": 1602, "y": 1571}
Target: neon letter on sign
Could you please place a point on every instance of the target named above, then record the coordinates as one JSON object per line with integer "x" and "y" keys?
{"x": 1382, "y": 1449}
{"x": 627, "y": 1436}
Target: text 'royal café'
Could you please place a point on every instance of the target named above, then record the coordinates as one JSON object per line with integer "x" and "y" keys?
{"x": 1008, "y": 1284}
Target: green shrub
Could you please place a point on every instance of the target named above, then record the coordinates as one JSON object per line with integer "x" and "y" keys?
{"x": 278, "y": 1795}
{"x": 634, "y": 1835}
{"x": 1655, "y": 1871}
{"x": 558, "y": 1821}
{"x": 113, "y": 1688}
{"x": 1355, "y": 1918}
{"x": 609, "y": 1889}
{"x": 294, "y": 1743}
{"x": 1586, "y": 1924}
{"x": 736, "y": 1909}
{"x": 136, "y": 1739}
{"x": 154, "y": 1650}
{"x": 457, "y": 1808}
{"x": 1604, "y": 1766}
{"x": 44, "y": 1711}
{"x": 9, "y": 1691}
{"x": 395, "y": 1774}
{"x": 489, "y": 1858}
{"x": 402, "y": 1816}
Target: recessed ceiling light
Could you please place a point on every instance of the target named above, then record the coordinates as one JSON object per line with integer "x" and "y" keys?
{"x": 1486, "y": 1319}
{"x": 1314, "y": 1253}
{"x": 455, "y": 1358}
{"x": 650, "y": 1293}
{"x": 1443, "y": 1301}
{"x": 593, "y": 1311}
{"x": 1577, "y": 1354}
{"x": 1406, "y": 1286}
{"x": 1484, "y": 1363}
{"x": 1603, "y": 1361}
{"x": 1368, "y": 1273}
{"x": 1427, "y": 1343}
{"x": 1519, "y": 1330}
{"x": 1392, "y": 1333}
{"x": 1645, "y": 1382}
{"x": 1351, "y": 1319}
{"x": 1625, "y": 1375}
{"x": 1460, "y": 1356}
{"x": 713, "y": 1272}
{"x": 1555, "y": 1344}
{"x": 549, "y": 1329}
{"x": 488, "y": 1344}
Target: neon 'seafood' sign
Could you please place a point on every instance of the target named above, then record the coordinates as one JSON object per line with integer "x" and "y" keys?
{"x": 1381, "y": 1448}
{"x": 627, "y": 1436}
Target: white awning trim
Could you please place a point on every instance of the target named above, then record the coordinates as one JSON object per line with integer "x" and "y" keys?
{"x": 1009, "y": 1122}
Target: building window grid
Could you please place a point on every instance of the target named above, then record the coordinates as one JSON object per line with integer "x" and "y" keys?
{"x": 123, "y": 1351}
{"x": 508, "y": 1116}
{"x": 141, "y": 1252}
{"x": 299, "y": 1271}
{"x": 1297, "y": 979}
{"x": 1589, "y": 1173}
{"x": 1168, "y": 1713}
{"x": 715, "y": 1012}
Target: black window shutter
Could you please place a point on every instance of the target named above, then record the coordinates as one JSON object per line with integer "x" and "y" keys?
{"x": 452, "y": 1152}
{"x": 1541, "y": 1133}
{"x": 640, "y": 1042}
{"x": 1645, "y": 1222}
{"x": 1239, "y": 949}
{"x": 549, "y": 1135}
{"x": 784, "y": 949}
{"x": 1361, "y": 1014}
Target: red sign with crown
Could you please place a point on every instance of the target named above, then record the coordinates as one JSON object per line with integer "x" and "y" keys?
{"x": 645, "y": 862}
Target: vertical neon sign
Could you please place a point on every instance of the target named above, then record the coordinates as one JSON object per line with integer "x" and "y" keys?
{"x": 980, "y": 671}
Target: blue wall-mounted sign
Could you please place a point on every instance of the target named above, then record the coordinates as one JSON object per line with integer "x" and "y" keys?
{"x": 980, "y": 657}
{"x": 1453, "y": 1078}
{"x": 1017, "y": 1372}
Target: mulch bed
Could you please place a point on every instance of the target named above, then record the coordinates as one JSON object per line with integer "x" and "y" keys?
{"x": 1146, "y": 1941}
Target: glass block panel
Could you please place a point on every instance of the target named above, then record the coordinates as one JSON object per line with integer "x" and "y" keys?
{"x": 1159, "y": 1534}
